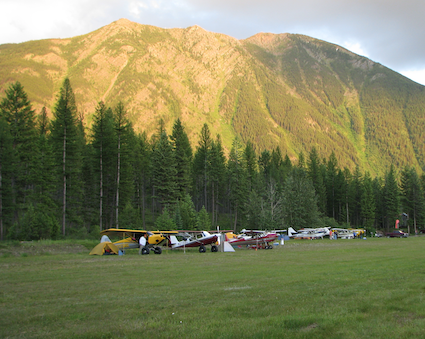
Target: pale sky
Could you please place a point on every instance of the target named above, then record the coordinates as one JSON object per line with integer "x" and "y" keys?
{"x": 391, "y": 32}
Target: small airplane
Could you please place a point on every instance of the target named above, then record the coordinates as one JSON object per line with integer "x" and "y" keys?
{"x": 344, "y": 233}
{"x": 252, "y": 238}
{"x": 131, "y": 239}
{"x": 194, "y": 240}
{"x": 309, "y": 233}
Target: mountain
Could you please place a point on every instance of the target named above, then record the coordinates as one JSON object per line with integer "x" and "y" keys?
{"x": 284, "y": 90}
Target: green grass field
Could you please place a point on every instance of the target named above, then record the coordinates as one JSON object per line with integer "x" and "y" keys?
{"x": 372, "y": 288}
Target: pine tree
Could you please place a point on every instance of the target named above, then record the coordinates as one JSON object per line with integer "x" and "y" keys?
{"x": 237, "y": 179}
{"x": 44, "y": 204}
{"x": 250, "y": 160}
{"x": 273, "y": 206}
{"x": 164, "y": 171}
{"x": 201, "y": 165}
{"x": 183, "y": 156}
{"x": 104, "y": 157}
{"x": 188, "y": 213}
{"x": 125, "y": 140}
{"x": 391, "y": 198}
{"x": 315, "y": 174}
{"x": 16, "y": 109}
{"x": 6, "y": 158}
{"x": 368, "y": 202}
{"x": 43, "y": 122}
{"x": 142, "y": 174}
{"x": 67, "y": 154}
{"x": 412, "y": 197}
{"x": 355, "y": 191}
{"x": 217, "y": 172}
{"x": 204, "y": 222}
{"x": 331, "y": 186}
{"x": 299, "y": 200}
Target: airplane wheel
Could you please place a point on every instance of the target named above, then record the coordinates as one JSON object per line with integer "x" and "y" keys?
{"x": 202, "y": 249}
{"x": 145, "y": 250}
{"x": 214, "y": 248}
{"x": 157, "y": 250}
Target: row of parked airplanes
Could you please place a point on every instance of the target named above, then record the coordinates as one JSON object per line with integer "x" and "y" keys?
{"x": 257, "y": 239}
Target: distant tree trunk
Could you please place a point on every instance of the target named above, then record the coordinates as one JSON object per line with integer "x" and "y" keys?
{"x": 143, "y": 206}
{"x": 213, "y": 222}
{"x": 64, "y": 183}
{"x": 101, "y": 189}
{"x": 1, "y": 204}
{"x": 118, "y": 180}
{"x": 236, "y": 217}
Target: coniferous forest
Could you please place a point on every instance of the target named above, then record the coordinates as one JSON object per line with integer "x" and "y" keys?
{"x": 61, "y": 179}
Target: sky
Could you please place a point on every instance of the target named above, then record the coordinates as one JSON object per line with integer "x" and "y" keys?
{"x": 390, "y": 32}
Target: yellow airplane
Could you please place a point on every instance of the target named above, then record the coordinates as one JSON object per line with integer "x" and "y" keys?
{"x": 130, "y": 238}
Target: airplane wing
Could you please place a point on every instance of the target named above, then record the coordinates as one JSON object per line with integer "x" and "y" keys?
{"x": 130, "y": 232}
{"x": 123, "y": 232}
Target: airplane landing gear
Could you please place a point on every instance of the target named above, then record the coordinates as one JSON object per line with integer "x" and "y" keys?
{"x": 157, "y": 250}
{"x": 145, "y": 250}
{"x": 214, "y": 248}
{"x": 202, "y": 249}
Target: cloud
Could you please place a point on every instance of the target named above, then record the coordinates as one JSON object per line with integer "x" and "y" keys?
{"x": 390, "y": 32}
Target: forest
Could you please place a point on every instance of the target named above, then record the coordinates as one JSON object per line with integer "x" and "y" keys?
{"x": 60, "y": 179}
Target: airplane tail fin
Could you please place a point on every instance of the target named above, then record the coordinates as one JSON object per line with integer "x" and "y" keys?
{"x": 291, "y": 231}
{"x": 173, "y": 240}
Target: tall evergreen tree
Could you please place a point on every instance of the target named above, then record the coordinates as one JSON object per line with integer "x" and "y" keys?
{"x": 188, "y": 213}
{"x": 331, "y": 186}
{"x": 6, "y": 158}
{"x": 250, "y": 159}
{"x": 377, "y": 185}
{"x": 43, "y": 122}
{"x": 391, "y": 196}
{"x": 105, "y": 157}
{"x": 355, "y": 192}
{"x": 142, "y": 174}
{"x": 16, "y": 109}
{"x": 299, "y": 200}
{"x": 164, "y": 171}
{"x": 183, "y": 156}
{"x": 316, "y": 176}
{"x": 67, "y": 154}
{"x": 237, "y": 179}
{"x": 368, "y": 202}
{"x": 45, "y": 206}
{"x": 125, "y": 140}
{"x": 201, "y": 166}
{"x": 217, "y": 174}
{"x": 412, "y": 197}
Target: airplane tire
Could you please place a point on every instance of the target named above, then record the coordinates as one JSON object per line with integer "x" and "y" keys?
{"x": 145, "y": 250}
{"x": 157, "y": 250}
{"x": 202, "y": 249}
{"x": 214, "y": 248}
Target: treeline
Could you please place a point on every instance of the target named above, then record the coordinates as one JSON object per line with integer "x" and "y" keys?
{"x": 58, "y": 179}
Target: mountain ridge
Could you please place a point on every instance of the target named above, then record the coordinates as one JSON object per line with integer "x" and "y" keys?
{"x": 276, "y": 90}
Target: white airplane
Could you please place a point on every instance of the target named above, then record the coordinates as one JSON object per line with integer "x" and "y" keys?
{"x": 344, "y": 233}
{"x": 309, "y": 233}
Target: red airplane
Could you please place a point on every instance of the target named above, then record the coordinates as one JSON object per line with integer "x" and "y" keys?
{"x": 253, "y": 239}
{"x": 194, "y": 241}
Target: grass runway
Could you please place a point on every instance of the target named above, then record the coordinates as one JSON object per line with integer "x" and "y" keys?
{"x": 372, "y": 288}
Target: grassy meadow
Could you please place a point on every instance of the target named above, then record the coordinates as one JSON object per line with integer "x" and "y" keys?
{"x": 372, "y": 288}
